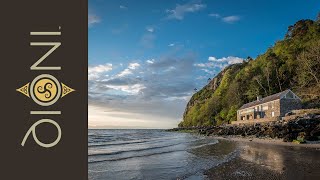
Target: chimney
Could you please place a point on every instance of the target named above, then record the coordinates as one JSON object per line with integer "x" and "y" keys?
{"x": 259, "y": 98}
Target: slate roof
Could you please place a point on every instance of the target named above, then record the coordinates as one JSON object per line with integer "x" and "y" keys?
{"x": 264, "y": 100}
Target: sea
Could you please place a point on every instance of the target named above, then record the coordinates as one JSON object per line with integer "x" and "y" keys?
{"x": 153, "y": 154}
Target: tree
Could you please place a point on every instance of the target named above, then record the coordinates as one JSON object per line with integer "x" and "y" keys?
{"x": 278, "y": 78}
{"x": 267, "y": 73}
{"x": 258, "y": 80}
{"x": 249, "y": 59}
{"x": 310, "y": 65}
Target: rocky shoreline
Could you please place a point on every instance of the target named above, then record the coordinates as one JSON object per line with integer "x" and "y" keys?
{"x": 299, "y": 130}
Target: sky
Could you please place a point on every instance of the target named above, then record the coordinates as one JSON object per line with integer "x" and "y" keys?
{"x": 146, "y": 57}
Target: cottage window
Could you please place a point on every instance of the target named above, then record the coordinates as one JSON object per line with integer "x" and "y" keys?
{"x": 247, "y": 111}
{"x": 265, "y": 107}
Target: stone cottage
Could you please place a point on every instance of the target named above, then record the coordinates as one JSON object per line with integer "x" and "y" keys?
{"x": 270, "y": 108}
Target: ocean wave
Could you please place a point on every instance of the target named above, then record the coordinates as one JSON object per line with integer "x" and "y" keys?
{"x": 134, "y": 150}
{"x": 202, "y": 145}
{"x": 136, "y": 156}
{"x": 145, "y": 141}
{"x": 119, "y": 143}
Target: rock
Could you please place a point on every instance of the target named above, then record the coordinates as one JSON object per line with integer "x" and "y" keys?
{"x": 316, "y": 131}
{"x": 289, "y": 113}
{"x": 288, "y": 138}
{"x": 298, "y": 129}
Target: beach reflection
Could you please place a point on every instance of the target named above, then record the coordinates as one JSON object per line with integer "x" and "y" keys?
{"x": 258, "y": 160}
{"x": 269, "y": 157}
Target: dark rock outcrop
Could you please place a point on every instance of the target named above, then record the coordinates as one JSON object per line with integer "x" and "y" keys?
{"x": 301, "y": 129}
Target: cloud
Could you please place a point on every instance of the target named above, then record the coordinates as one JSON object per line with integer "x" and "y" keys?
{"x": 171, "y": 45}
{"x": 125, "y": 72}
{"x": 134, "y": 115}
{"x": 133, "y": 65}
{"x": 226, "y": 19}
{"x": 149, "y": 94}
{"x": 119, "y": 85}
{"x": 211, "y": 58}
{"x": 100, "y": 68}
{"x": 217, "y": 64}
{"x": 150, "y": 29}
{"x": 116, "y": 81}
{"x": 208, "y": 71}
{"x": 123, "y": 7}
{"x": 93, "y": 19}
{"x": 180, "y": 11}
{"x": 129, "y": 70}
{"x": 169, "y": 77}
{"x": 210, "y": 65}
{"x": 150, "y": 61}
{"x": 94, "y": 72}
{"x": 230, "y": 19}
{"x": 130, "y": 89}
{"x": 201, "y": 77}
{"x": 202, "y": 65}
{"x": 214, "y": 15}
{"x": 229, "y": 60}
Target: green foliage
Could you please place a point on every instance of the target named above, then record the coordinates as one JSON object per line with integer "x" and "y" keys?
{"x": 232, "y": 114}
{"x": 293, "y": 63}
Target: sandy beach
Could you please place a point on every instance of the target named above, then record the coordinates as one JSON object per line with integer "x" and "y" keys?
{"x": 269, "y": 159}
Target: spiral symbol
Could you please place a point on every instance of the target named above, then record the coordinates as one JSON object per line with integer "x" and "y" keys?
{"x": 45, "y": 89}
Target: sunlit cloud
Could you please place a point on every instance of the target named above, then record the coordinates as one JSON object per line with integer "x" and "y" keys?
{"x": 93, "y": 19}
{"x": 231, "y": 19}
{"x": 180, "y": 11}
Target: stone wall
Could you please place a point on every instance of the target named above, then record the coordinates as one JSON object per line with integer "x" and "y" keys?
{"x": 276, "y": 109}
{"x": 254, "y": 121}
{"x": 288, "y": 105}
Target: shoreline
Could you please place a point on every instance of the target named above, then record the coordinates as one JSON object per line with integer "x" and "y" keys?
{"x": 267, "y": 159}
{"x": 313, "y": 144}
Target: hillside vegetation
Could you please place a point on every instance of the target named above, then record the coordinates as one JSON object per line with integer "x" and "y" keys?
{"x": 292, "y": 63}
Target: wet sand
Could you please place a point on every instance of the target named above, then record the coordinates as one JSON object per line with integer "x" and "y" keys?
{"x": 309, "y": 144}
{"x": 269, "y": 159}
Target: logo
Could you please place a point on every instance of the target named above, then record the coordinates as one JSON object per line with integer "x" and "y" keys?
{"x": 45, "y": 90}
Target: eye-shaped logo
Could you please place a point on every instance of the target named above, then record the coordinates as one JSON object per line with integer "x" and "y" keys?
{"x": 45, "y": 90}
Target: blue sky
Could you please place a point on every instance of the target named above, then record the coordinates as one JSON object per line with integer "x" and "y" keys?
{"x": 146, "y": 57}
